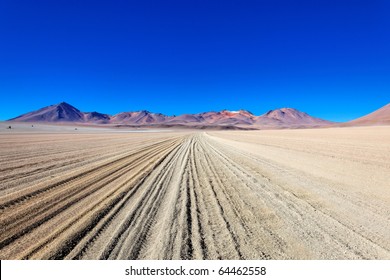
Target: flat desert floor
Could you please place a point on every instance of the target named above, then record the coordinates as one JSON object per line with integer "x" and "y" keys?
{"x": 282, "y": 194}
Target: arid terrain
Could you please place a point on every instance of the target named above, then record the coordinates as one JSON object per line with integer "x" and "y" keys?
{"x": 275, "y": 194}
{"x": 64, "y": 113}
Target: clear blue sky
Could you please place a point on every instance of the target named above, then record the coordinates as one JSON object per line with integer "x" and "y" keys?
{"x": 328, "y": 58}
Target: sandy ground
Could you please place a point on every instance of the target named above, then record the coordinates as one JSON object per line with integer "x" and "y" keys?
{"x": 287, "y": 194}
{"x": 26, "y": 127}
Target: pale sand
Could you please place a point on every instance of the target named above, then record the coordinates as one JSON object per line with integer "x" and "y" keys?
{"x": 286, "y": 194}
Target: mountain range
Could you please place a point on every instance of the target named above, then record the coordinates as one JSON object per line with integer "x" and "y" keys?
{"x": 242, "y": 119}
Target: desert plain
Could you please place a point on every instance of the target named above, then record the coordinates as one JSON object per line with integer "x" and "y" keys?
{"x": 191, "y": 194}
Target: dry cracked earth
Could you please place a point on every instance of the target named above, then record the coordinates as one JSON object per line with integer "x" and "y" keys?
{"x": 290, "y": 194}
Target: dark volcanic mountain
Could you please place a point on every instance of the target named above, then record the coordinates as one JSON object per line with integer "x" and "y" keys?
{"x": 62, "y": 112}
{"x": 280, "y": 118}
{"x": 96, "y": 117}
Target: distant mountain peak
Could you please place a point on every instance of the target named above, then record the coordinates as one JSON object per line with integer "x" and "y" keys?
{"x": 246, "y": 112}
{"x": 143, "y": 111}
{"x": 63, "y": 103}
{"x": 66, "y": 105}
{"x": 61, "y": 112}
{"x": 284, "y": 110}
{"x": 283, "y": 117}
{"x": 241, "y": 111}
{"x": 286, "y": 117}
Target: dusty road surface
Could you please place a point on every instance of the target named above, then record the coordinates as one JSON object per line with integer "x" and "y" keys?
{"x": 291, "y": 194}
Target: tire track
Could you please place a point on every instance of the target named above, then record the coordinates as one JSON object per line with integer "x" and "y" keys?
{"x": 11, "y": 221}
{"x": 302, "y": 214}
{"x": 174, "y": 196}
{"x": 14, "y": 198}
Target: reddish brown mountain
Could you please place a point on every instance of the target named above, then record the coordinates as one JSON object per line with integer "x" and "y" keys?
{"x": 139, "y": 117}
{"x": 378, "y": 117}
{"x": 289, "y": 117}
{"x": 186, "y": 119}
{"x": 225, "y": 117}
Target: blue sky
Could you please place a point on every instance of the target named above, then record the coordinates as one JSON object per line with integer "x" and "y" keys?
{"x": 329, "y": 58}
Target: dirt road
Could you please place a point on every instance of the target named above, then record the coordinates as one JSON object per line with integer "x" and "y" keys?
{"x": 304, "y": 194}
